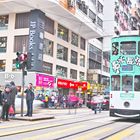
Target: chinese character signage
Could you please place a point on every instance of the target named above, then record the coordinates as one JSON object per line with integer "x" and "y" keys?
{"x": 36, "y": 39}
{"x": 45, "y": 81}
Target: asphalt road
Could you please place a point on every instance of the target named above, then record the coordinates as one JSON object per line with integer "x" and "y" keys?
{"x": 84, "y": 125}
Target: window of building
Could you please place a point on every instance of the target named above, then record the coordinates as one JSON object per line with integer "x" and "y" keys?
{"x": 95, "y": 53}
{"x": 137, "y": 83}
{"x": 48, "y": 47}
{"x": 82, "y": 60}
{"x": 94, "y": 64}
{"x": 82, "y": 43}
{"x": 62, "y": 32}
{"x": 99, "y": 22}
{"x": 3, "y": 44}
{"x": 81, "y": 76}
{"x": 100, "y": 7}
{"x": 92, "y": 15}
{"x": 115, "y": 83}
{"x": 62, "y": 52}
{"x": 47, "y": 67}
{"x": 73, "y": 74}
{"x": 2, "y": 65}
{"x": 4, "y": 22}
{"x": 21, "y": 43}
{"x": 49, "y": 25}
{"x": 22, "y": 20}
{"x": 74, "y": 39}
{"x": 61, "y": 71}
{"x": 74, "y": 57}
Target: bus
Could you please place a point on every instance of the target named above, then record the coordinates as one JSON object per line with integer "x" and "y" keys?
{"x": 125, "y": 76}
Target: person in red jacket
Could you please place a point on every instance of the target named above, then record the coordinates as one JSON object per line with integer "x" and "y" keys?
{"x": 72, "y": 100}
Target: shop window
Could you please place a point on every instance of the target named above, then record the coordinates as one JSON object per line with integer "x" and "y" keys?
{"x": 62, "y": 32}
{"x": 82, "y": 43}
{"x": 4, "y": 22}
{"x": 22, "y": 20}
{"x": 82, "y": 60}
{"x": 49, "y": 25}
{"x": 61, "y": 71}
{"x": 48, "y": 47}
{"x": 47, "y": 67}
{"x": 74, "y": 39}
{"x": 3, "y": 44}
{"x": 2, "y": 65}
{"x": 73, "y": 74}
{"x": 21, "y": 43}
{"x": 74, "y": 57}
{"x": 62, "y": 52}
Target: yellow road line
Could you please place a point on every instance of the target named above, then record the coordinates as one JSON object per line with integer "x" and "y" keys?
{"x": 26, "y": 130}
{"x": 93, "y": 134}
{"x": 121, "y": 135}
{"x": 50, "y": 134}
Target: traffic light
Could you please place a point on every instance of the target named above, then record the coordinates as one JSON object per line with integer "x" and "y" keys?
{"x": 18, "y": 65}
{"x": 21, "y": 60}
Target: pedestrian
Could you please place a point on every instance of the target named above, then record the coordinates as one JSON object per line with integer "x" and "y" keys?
{"x": 13, "y": 94}
{"x": 29, "y": 100}
{"x": 6, "y": 102}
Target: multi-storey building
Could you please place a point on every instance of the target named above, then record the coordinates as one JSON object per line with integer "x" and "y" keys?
{"x": 135, "y": 16}
{"x": 66, "y": 27}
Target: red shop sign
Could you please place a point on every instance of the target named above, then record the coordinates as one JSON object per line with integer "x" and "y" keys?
{"x": 61, "y": 83}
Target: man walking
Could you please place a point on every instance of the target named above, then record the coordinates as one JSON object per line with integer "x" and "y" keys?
{"x": 13, "y": 94}
{"x": 29, "y": 99}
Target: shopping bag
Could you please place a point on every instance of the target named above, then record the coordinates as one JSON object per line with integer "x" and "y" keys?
{"x": 11, "y": 110}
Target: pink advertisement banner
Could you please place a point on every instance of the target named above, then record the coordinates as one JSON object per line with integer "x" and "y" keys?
{"x": 45, "y": 81}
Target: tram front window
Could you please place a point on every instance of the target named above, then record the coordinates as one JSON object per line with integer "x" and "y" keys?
{"x": 115, "y": 82}
{"x": 137, "y": 83}
{"x": 127, "y": 83}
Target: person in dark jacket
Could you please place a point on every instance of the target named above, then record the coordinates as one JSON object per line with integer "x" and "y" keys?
{"x": 29, "y": 100}
{"x": 13, "y": 94}
{"x": 6, "y": 102}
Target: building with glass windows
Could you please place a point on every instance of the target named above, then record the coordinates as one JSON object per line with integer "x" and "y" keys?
{"x": 65, "y": 29}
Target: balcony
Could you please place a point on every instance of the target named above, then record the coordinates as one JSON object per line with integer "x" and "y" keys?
{"x": 69, "y": 16}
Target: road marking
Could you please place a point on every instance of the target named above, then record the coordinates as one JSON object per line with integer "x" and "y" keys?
{"x": 93, "y": 134}
{"x": 50, "y": 134}
{"x": 121, "y": 135}
{"x": 26, "y": 130}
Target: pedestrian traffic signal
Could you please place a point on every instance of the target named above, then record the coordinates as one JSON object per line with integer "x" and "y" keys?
{"x": 21, "y": 60}
{"x": 18, "y": 65}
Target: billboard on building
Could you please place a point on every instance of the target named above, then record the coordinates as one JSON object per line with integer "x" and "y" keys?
{"x": 36, "y": 40}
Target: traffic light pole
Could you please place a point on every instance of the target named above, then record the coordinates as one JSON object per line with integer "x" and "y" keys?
{"x": 22, "y": 96}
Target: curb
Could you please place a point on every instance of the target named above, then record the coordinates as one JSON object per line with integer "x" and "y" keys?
{"x": 32, "y": 118}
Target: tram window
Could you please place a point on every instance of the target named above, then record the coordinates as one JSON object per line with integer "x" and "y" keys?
{"x": 115, "y": 48}
{"x": 127, "y": 82}
{"x": 115, "y": 82}
{"x": 139, "y": 47}
{"x": 128, "y": 48}
{"x": 137, "y": 83}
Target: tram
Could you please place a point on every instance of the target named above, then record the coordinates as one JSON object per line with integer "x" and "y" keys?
{"x": 125, "y": 75}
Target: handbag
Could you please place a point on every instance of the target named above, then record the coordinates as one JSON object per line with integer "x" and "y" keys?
{"x": 11, "y": 110}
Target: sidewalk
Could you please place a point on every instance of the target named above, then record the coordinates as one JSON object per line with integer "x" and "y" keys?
{"x": 44, "y": 114}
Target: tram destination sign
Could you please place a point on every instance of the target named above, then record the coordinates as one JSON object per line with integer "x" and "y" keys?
{"x": 127, "y": 68}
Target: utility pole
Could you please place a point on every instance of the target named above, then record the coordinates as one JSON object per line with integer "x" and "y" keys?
{"x": 22, "y": 95}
